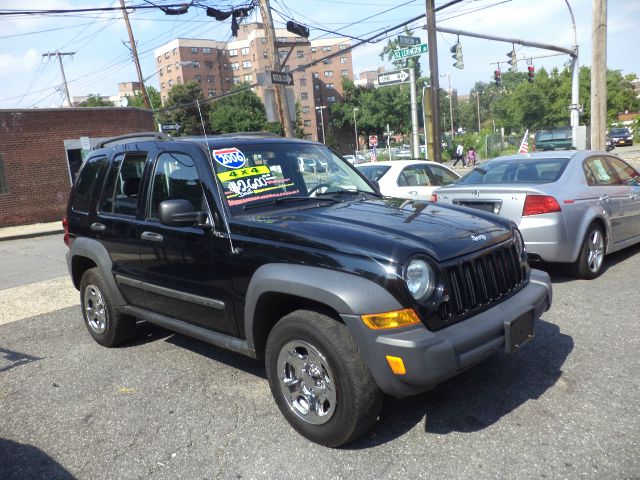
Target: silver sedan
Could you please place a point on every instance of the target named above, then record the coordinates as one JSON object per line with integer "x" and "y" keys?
{"x": 573, "y": 206}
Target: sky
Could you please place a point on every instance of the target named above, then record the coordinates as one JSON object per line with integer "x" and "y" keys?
{"x": 102, "y": 59}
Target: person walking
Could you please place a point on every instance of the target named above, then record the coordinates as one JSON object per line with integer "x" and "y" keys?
{"x": 472, "y": 156}
{"x": 459, "y": 155}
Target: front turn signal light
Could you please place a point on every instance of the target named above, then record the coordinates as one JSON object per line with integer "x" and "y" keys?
{"x": 396, "y": 364}
{"x": 395, "y": 319}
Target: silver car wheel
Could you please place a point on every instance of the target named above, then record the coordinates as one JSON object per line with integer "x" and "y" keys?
{"x": 596, "y": 250}
{"x": 307, "y": 382}
{"x": 95, "y": 309}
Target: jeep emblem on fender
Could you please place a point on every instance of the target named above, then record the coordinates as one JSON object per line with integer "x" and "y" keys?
{"x": 477, "y": 238}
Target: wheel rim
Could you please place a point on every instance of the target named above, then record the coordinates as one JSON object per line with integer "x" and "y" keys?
{"x": 306, "y": 382}
{"x": 596, "y": 251}
{"x": 95, "y": 309}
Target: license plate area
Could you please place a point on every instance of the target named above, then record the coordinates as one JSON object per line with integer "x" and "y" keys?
{"x": 518, "y": 332}
{"x": 491, "y": 207}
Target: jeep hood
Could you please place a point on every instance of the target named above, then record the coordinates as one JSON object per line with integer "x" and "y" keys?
{"x": 389, "y": 229}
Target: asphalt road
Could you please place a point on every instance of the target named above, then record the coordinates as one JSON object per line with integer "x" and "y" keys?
{"x": 564, "y": 406}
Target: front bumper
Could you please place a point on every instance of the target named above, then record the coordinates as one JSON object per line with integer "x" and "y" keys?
{"x": 433, "y": 357}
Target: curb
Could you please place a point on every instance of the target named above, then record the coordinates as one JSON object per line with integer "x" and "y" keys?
{"x": 20, "y": 236}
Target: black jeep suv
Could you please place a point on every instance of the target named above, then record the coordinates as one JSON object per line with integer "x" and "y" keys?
{"x": 344, "y": 293}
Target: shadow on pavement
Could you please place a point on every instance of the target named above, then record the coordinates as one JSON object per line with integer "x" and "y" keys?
{"x": 19, "y": 461}
{"x": 480, "y": 396}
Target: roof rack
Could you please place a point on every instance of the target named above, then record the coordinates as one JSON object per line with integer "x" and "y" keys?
{"x": 133, "y": 137}
{"x": 247, "y": 134}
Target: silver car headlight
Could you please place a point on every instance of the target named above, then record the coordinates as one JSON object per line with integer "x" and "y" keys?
{"x": 520, "y": 247}
{"x": 420, "y": 279}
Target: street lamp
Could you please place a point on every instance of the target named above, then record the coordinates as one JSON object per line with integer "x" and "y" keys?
{"x": 322, "y": 121}
{"x": 450, "y": 101}
{"x": 355, "y": 129}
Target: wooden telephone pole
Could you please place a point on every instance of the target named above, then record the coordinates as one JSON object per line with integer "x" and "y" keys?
{"x": 64, "y": 78}
{"x": 599, "y": 75}
{"x": 136, "y": 60}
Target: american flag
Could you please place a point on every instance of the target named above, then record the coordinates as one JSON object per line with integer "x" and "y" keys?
{"x": 524, "y": 146}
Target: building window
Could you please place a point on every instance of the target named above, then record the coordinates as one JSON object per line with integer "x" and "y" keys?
{"x": 235, "y": 66}
{"x": 233, "y": 53}
{"x": 317, "y": 86}
{"x": 248, "y": 78}
{"x": 307, "y": 123}
{"x": 316, "y": 75}
{"x": 326, "y": 61}
{"x": 245, "y": 51}
{"x": 206, "y": 50}
{"x": 318, "y": 100}
{"x": 164, "y": 98}
{"x": 198, "y": 78}
{"x": 174, "y": 52}
{"x": 159, "y": 59}
{"x": 344, "y": 73}
{"x": 313, "y": 49}
{"x": 162, "y": 85}
{"x": 331, "y": 98}
{"x": 208, "y": 64}
{"x": 236, "y": 80}
{"x": 341, "y": 47}
{"x": 328, "y": 73}
{"x": 161, "y": 72}
{"x": 263, "y": 40}
{"x": 4, "y": 188}
{"x": 195, "y": 64}
{"x": 330, "y": 86}
{"x": 305, "y": 109}
{"x": 264, "y": 54}
{"x": 246, "y": 64}
{"x": 211, "y": 92}
{"x": 282, "y": 53}
{"x": 194, "y": 49}
{"x": 343, "y": 59}
{"x": 299, "y": 53}
{"x": 168, "y": 69}
{"x": 170, "y": 83}
{"x": 303, "y": 82}
{"x": 177, "y": 65}
{"x": 304, "y": 96}
{"x": 326, "y": 48}
{"x": 166, "y": 55}
{"x": 209, "y": 78}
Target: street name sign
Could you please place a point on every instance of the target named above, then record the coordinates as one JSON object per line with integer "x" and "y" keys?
{"x": 394, "y": 77}
{"x": 282, "y": 78}
{"x": 406, "y": 41}
{"x": 410, "y": 51}
{"x": 170, "y": 127}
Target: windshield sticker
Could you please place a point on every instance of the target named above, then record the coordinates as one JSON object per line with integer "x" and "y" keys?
{"x": 230, "y": 157}
{"x": 247, "y": 184}
{"x": 245, "y": 172}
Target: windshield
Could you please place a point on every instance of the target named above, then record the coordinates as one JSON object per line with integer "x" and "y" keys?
{"x": 373, "y": 172}
{"x": 262, "y": 173}
{"x": 619, "y": 131}
{"x": 516, "y": 171}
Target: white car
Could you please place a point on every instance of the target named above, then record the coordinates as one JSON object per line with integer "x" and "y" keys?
{"x": 353, "y": 160}
{"x": 411, "y": 179}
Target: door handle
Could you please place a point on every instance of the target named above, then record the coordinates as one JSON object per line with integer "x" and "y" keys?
{"x": 97, "y": 227}
{"x": 413, "y": 192}
{"x": 604, "y": 198}
{"x": 152, "y": 237}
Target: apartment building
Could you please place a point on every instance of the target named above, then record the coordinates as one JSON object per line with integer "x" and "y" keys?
{"x": 217, "y": 66}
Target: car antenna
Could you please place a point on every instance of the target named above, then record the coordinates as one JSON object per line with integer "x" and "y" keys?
{"x": 234, "y": 250}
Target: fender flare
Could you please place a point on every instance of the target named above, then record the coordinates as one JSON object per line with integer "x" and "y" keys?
{"x": 96, "y": 252}
{"x": 345, "y": 293}
{"x": 592, "y": 216}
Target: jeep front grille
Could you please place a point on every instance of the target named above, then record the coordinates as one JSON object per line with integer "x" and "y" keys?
{"x": 481, "y": 281}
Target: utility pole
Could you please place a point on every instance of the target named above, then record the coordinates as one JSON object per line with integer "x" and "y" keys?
{"x": 450, "y": 101}
{"x": 322, "y": 121}
{"x": 136, "y": 60}
{"x": 434, "y": 80}
{"x": 575, "y": 82}
{"x": 64, "y": 78}
{"x": 274, "y": 60}
{"x": 355, "y": 130}
{"x": 478, "y": 98}
{"x": 599, "y": 75}
{"x": 415, "y": 138}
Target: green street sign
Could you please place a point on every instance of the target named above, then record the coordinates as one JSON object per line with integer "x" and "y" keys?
{"x": 406, "y": 41}
{"x": 410, "y": 51}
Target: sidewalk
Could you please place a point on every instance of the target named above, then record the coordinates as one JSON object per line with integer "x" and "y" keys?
{"x": 29, "y": 231}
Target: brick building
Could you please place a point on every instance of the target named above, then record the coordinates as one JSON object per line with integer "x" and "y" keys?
{"x": 217, "y": 66}
{"x": 40, "y": 152}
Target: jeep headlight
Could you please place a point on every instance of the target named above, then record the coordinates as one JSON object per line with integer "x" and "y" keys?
{"x": 520, "y": 247}
{"x": 420, "y": 279}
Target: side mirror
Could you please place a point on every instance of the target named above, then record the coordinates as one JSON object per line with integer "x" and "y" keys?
{"x": 180, "y": 213}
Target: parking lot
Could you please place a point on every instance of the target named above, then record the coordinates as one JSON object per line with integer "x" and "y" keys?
{"x": 167, "y": 406}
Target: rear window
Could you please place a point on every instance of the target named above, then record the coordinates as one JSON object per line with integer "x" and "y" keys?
{"x": 515, "y": 171}
{"x": 619, "y": 131}
{"x": 88, "y": 177}
{"x": 373, "y": 172}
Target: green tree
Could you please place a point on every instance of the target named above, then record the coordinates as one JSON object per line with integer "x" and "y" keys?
{"x": 181, "y": 108}
{"x": 95, "y": 100}
{"x": 241, "y": 112}
{"x": 154, "y": 99}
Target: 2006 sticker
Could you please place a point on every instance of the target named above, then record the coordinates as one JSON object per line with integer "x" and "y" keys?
{"x": 229, "y": 157}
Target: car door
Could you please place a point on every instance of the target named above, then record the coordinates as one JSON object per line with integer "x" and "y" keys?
{"x": 116, "y": 224}
{"x": 606, "y": 192}
{"x": 185, "y": 268}
{"x": 630, "y": 180}
{"x": 414, "y": 182}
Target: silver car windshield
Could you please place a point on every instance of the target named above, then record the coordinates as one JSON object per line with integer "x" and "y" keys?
{"x": 516, "y": 171}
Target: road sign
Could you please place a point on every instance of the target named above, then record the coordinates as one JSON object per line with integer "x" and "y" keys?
{"x": 282, "y": 78}
{"x": 394, "y": 77}
{"x": 405, "y": 41}
{"x": 85, "y": 143}
{"x": 389, "y": 133}
{"x": 410, "y": 51}
{"x": 170, "y": 127}
{"x": 373, "y": 140}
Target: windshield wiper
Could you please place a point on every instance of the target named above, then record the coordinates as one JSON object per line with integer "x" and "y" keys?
{"x": 348, "y": 191}
{"x": 279, "y": 200}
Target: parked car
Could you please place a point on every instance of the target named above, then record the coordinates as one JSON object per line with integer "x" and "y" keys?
{"x": 556, "y": 139}
{"x": 572, "y": 207}
{"x": 412, "y": 179}
{"x": 346, "y": 295}
{"x": 404, "y": 153}
{"x": 620, "y": 136}
{"x": 354, "y": 160}
{"x": 311, "y": 165}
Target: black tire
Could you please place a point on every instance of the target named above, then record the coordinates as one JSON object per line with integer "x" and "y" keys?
{"x": 358, "y": 399}
{"x": 588, "y": 266}
{"x": 106, "y": 324}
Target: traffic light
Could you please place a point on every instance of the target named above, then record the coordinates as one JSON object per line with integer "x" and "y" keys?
{"x": 456, "y": 50}
{"x": 496, "y": 77}
{"x": 297, "y": 29}
{"x": 513, "y": 61}
{"x": 531, "y": 73}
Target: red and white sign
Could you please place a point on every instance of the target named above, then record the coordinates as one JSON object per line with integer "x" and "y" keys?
{"x": 373, "y": 140}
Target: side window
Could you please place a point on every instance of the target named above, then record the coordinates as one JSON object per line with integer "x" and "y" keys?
{"x": 175, "y": 177}
{"x": 441, "y": 176}
{"x": 121, "y": 192}
{"x": 598, "y": 172}
{"x": 414, "y": 176}
{"x": 87, "y": 182}
{"x": 625, "y": 172}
